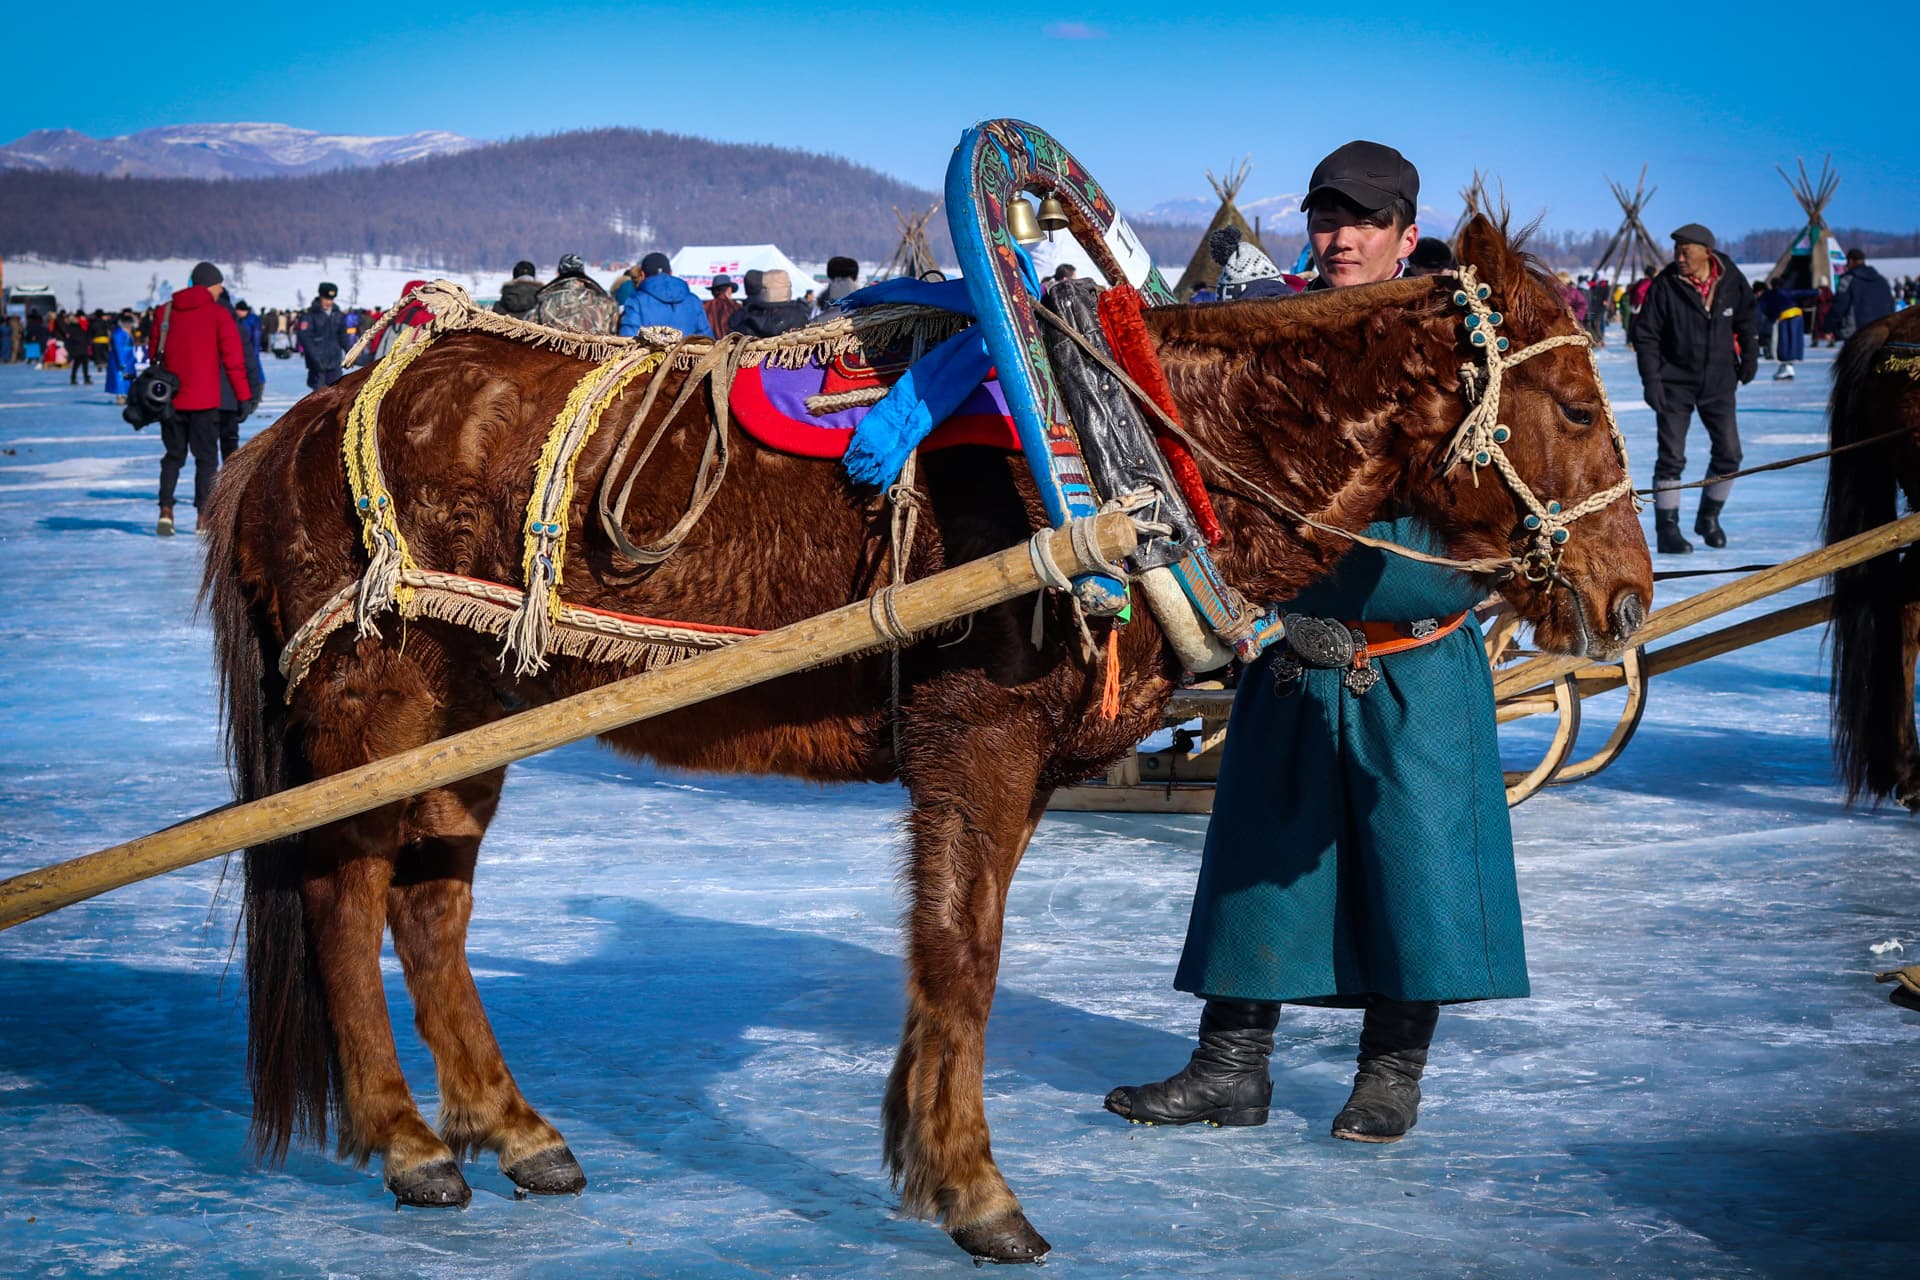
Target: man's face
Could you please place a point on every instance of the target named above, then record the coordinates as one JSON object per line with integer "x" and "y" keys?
{"x": 1351, "y": 247}
{"x": 326, "y": 303}
{"x": 1693, "y": 258}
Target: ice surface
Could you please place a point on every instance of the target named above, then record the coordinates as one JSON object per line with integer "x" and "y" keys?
{"x": 698, "y": 980}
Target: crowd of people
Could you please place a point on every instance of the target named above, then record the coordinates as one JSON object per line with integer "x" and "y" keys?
{"x": 213, "y": 342}
{"x": 648, "y": 295}
{"x": 1687, "y": 365}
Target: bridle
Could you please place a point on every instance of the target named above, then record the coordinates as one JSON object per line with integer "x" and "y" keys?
{"x": 1478, "y": 440}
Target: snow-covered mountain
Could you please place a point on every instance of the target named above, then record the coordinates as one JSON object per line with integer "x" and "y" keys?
{"x": 220, "y": 151}
{"x": 1280, "y": 213}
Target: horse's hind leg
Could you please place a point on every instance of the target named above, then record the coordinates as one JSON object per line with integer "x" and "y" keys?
{"x": 970, "y": 825}
{"x": 372, "y": 705}
{"x": 346, "y": 911}
{"x": 1906, "y": 746}
{"x": 429, "y": 906}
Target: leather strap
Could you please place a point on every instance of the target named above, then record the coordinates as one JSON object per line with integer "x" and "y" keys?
{"x": 1384, "y": 638}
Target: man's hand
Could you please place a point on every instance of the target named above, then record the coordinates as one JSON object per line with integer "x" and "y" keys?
{"x": 248, "y": 406}
{"x": 1747, "y": 369}
{"x": 1655, "y": 397}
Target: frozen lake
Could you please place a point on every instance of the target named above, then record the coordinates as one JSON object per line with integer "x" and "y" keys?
{"x": 697, "y": 979}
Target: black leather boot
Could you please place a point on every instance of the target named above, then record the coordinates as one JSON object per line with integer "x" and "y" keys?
{"x": 1707, "y": 523}
{"x": 1225, "y": 1082}
{"x": 1393, "y": 1056}
{"x": 1668, "y": 538}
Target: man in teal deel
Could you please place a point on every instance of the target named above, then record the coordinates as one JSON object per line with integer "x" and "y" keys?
{"x": 1359, "y": 854}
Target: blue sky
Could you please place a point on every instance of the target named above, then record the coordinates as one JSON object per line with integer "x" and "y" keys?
{"x": 1150, "y": 96}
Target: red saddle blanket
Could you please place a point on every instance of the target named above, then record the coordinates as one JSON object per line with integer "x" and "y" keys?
{"x": 770, "y": 404}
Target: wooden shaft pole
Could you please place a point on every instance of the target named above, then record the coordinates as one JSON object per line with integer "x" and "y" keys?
{"x": 1767, "y": 626}
{"x": 918, "y": 606}
{"x": 1731, "y": 595}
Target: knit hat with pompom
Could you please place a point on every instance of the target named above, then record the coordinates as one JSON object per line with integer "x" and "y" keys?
{"x": 1240, "y": 263}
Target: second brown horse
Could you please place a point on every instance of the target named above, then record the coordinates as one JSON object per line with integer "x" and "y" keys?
{"x": 1336, "y": 404}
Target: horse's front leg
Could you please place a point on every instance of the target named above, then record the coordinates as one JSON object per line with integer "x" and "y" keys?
{"x": 429, "y": 907}
{"x": 970, "y": 824}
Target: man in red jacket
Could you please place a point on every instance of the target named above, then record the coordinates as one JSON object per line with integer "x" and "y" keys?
{"x": 202, "y": 345}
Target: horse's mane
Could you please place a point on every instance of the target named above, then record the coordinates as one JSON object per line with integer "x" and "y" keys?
{"x": 1236, "y": 324}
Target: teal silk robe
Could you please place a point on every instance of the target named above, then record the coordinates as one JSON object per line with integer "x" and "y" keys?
{"x": 1360, "y": 844}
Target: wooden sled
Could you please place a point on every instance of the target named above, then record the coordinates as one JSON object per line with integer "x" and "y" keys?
{"x": 1180, "y": 779}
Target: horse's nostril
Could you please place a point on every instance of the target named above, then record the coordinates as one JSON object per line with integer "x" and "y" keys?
{"x": 1629, "y": 611}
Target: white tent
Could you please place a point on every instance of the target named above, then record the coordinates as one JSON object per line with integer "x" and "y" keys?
{"x": 698, "y": 264}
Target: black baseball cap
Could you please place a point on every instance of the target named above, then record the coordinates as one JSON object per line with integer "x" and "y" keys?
{"x": 1369, "y": 175}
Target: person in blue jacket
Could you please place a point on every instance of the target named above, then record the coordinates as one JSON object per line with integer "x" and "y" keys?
{"x": 663, "y": 299}
{"x": 232, "y": 415}
{"x": 122, "y": 365}
{"x": 250, "y": 341}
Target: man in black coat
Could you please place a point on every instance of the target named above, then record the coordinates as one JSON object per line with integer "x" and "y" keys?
{"x": 78, "y": 336}
{"x": 1860, "y": 296}
{"x": 322, "y": 334}
{"x": 1695, "y": 341}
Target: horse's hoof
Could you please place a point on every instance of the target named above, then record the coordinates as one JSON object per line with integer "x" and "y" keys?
{"x": 553, "y": 1172}
{"x": 437, "y": 1185}
{"x": 1008, "y": 1238}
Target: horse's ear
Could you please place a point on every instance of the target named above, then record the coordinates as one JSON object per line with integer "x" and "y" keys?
{"x": 1484, "y": 246}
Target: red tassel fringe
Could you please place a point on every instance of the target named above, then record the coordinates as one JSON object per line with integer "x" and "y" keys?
{"x": 1123, "y": 320}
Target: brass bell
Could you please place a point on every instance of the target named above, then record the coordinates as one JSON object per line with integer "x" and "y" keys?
{"x": 1053, "y": 215}
{"x": 1021, "y": 224}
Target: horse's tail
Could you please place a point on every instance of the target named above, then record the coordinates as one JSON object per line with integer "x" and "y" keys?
{"x": 1868, "y": 682}
{"x": 289, "y": 1048}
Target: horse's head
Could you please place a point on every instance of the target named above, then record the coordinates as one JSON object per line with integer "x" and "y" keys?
{"x": 1531, "y": 465}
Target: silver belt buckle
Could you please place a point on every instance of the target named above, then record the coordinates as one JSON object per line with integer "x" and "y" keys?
{"x": 1319, "y": 642}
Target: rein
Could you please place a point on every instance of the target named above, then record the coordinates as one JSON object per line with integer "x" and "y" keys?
{"x": 1783, "y": 463}
{"x": 1487, "y": 564}
{"x": 1477, "y": 441}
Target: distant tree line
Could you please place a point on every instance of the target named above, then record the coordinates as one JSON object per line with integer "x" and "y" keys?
{"x": 607, "y": 194}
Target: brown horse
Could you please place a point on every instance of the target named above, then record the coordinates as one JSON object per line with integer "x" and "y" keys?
{"x": 1337, "y": 404}
{"x": 1876, "y": 604}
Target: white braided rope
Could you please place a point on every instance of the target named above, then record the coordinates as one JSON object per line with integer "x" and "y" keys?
{"x": 1478, "y": 440}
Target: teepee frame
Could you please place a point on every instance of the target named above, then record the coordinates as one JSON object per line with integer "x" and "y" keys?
{"x": 1632, "y": 249}
{"x": 1819, "y": 241}
{"x": 1201, "y": 268}
{"x": 913, "y": 257}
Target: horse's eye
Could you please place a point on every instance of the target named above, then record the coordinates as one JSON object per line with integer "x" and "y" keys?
{"x": 1578, "y": 417}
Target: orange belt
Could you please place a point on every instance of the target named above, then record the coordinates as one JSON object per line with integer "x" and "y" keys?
{"x": 1384, "y": 638}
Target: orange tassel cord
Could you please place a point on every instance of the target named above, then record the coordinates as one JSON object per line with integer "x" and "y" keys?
{"x": 1110, "y": 690}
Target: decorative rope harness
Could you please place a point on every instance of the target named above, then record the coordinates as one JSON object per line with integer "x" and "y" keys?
{"x": 597, "y": 635}
{"x": 536, "y": 622}
{"x": 1908, "y": 362}
{"x": 1478, "y": 441}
